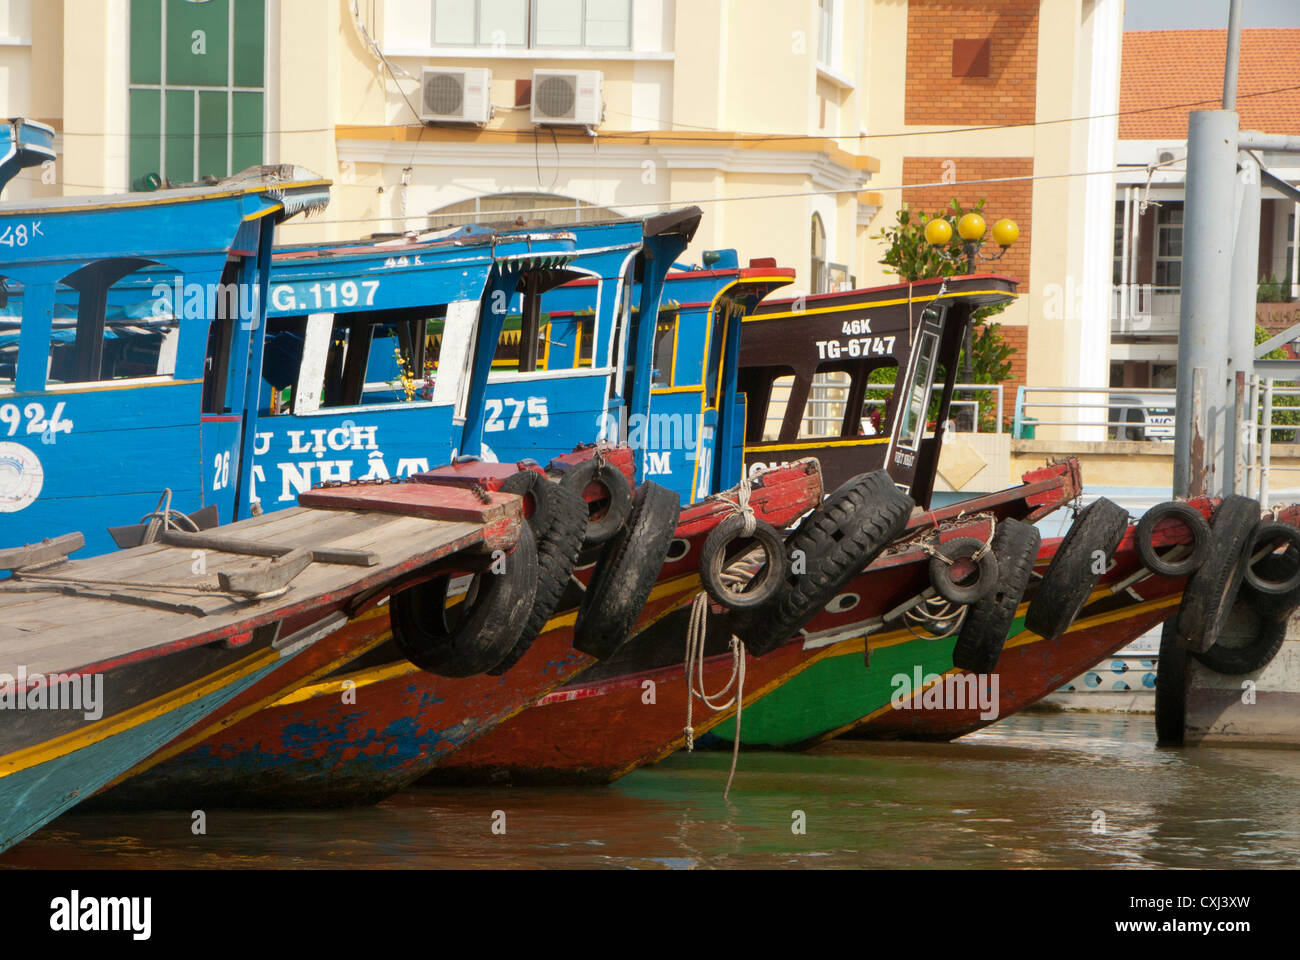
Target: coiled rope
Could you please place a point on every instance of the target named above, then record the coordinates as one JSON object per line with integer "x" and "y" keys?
{"x": 695, "y": 636}
{"x": 165, "y": 518}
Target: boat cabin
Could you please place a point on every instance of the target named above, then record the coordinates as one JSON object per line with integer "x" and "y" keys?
{"x": 862, "y": 379}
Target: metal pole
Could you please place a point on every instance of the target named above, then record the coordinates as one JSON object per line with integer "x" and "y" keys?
{"x": 1252, "y": 444}
{"x": 1244, "y": 286}
{"x": 1205, "y": 301}
{"x": 999, "y": 408}
{"x": 1240, "y": 430}
{"x": 1231, "y": 56}
{"x": 1268, "y": 443}
{"x": 1125, "y": 240}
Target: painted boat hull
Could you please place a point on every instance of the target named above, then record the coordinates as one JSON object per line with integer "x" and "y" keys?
{"x": 330, "y": 744}
{"x": 597, "y": 730}
{"x": 605, "y": 725}
{"x": 837, "y": 697}
{"x": 377, "y": 724}
{"x": 50, "y": 776}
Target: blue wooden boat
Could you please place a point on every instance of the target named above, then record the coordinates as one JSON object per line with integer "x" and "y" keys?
{"x": 104, "y": 392}
{"x": 169, "y": 644}
{"x": 101, "y": 408}
{"x": 28, "y": 144}
{"x": 312, "y": 747}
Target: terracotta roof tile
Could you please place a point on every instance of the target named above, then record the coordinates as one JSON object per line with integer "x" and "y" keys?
{"x": 1164, "y": 67}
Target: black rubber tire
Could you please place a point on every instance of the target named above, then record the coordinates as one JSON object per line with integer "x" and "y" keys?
{"x": 986, "y": 571}
{"x": 1171, "y": 688}
{"x": 1192, "y": 519}
{"x": 837, "y": 540}
{"x": 979, "y": 645}
{"x": 484, "y": 633}
{"x": 535, "y": 487}
{"x": 1211, "y": 590}
{"x": 1276, "y": 567}
{"x": 1072, "y": 574}
{"x": 1267, "y": 637}
{"x": 713, "y": 557}
{"x": 1263, "y": 579}
{"x": 557, "y": 554}
{"x": 626, "y": 572}
{"x": 577, "y": 478}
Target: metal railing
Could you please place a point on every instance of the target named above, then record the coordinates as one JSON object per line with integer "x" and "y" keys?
{"x": 826, "y": 405}
{"x": 997, "y": 389}
{"x": 1147, "y": 411}
{"x": 1263, "y": 395}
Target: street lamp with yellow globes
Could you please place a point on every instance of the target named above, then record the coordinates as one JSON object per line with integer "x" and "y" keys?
{"x": 971, "y": 228}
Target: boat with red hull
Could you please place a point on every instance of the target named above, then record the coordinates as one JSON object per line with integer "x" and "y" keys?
{"x": 631, "y": 710}
{"x": 366, "y": 729}
{"x": 1030, "y": 668}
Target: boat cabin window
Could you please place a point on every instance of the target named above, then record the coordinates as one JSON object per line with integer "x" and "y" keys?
{"x": 665, "y": 348}
{"x": 11, "y": 316}
{"x": 828, "y": 395}
{"x": 850, "y": 399}
{"x": 778, "y": 400}
{"x": 125, "y": 330}
{"x": 221, "y": 338}
{"x": 918, "y": 392}
{"x": 513, "y": 355}
{"x": 350, "y": 359}
{"x": 876, "y": 418}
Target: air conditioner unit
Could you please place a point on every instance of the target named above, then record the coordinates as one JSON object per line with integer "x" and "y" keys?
{"x": 456, "y": 95}
{"x": 1169, "y": 154}
{"x": 568, "y": 97}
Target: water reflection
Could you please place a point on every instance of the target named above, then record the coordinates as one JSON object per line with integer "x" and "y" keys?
{"x": 1037, "y": 790}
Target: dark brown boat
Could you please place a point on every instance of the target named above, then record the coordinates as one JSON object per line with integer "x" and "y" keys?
{"x": 791, "y": 347}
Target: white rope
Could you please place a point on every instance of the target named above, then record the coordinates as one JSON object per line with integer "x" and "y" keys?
{"x": 741, "y": 506}
{"x": 695, "y": 637}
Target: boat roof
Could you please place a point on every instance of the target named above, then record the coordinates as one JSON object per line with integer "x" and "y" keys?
{"x": 296, "y": 188}
{"x": 982, "y": 289}
{"x": 683, "y": 220}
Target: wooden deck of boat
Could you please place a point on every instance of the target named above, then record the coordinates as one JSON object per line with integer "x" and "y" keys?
{"x": 47, "y": 630}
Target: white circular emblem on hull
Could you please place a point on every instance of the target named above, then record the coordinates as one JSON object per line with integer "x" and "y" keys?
{"x": 21, "y": 477}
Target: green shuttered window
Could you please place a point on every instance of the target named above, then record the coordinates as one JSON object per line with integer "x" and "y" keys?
{"x": 196, "y": 89}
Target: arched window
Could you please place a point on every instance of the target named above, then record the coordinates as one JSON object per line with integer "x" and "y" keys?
{"x": 818, "y": 278}
{"x": 518, "y": 209}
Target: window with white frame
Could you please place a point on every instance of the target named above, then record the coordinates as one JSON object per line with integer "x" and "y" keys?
{"x": 1117, "y": 264}
{"x": 196, "y": 89}
{"x": 826, "y": 32}
{"x": 533, "y": 24}
{"x": 1169, "y": 246}
{"x": 819, "y": 279}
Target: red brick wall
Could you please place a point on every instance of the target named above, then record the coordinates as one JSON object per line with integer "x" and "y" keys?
{"x": 1006, "y": 95}
{"x": 1014, "y": 199}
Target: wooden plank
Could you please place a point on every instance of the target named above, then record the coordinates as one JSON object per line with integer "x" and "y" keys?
{"x": 254, "y": 548}
{"x": 268, "y": 577}
{"x": 415, "y": 500}
{"x": 44, "y": 552}
{"x": 53, "y": 635}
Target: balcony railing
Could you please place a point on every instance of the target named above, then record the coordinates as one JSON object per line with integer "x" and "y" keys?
{"x": 1143, "y": 310}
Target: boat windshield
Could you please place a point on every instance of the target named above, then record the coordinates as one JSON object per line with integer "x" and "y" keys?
{"x": 918, "y": 397}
